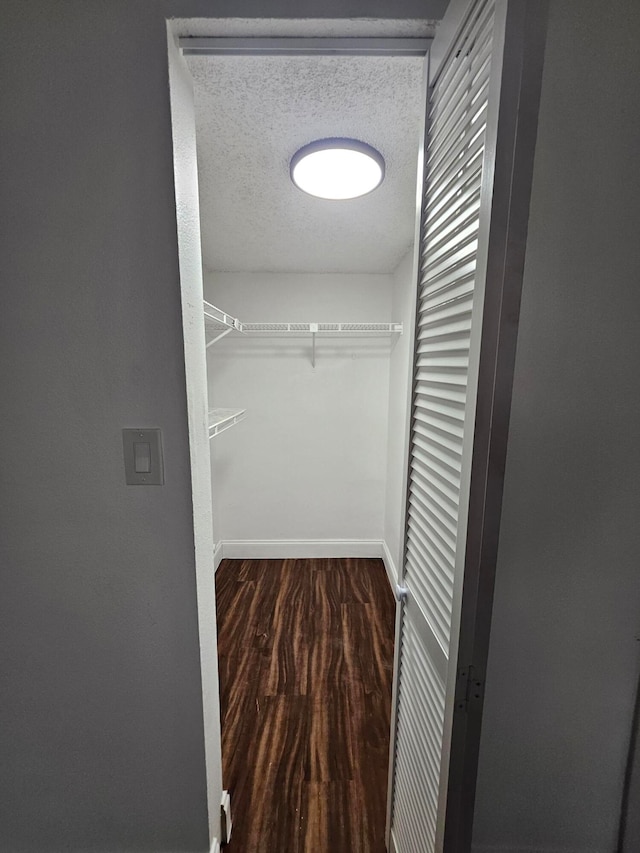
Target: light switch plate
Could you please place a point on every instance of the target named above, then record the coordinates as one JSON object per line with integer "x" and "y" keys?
{"x": 143, "y": 438}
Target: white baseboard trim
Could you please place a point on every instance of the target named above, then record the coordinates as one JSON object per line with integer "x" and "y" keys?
{"x": 283, "y": 549}
{"x": 217, "y": 556}
{"x": 390, "y": 566}
{"x": 305, "y": 549}
{"x": 227, "y": 823}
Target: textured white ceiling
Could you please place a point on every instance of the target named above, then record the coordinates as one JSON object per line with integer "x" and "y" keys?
{"x": 253, "y": 113}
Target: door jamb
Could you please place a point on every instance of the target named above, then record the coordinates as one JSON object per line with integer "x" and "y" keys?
{"x": 516, "y": 85}
{"x": 191, "y": 294}
{"x": 412, "y": 329}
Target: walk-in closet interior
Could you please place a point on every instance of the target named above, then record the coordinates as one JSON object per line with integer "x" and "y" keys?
{"x": 309, "y": 306}
{"x": 315, "y": 467}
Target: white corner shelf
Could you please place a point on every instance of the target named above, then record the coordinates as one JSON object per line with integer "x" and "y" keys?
{"x": 222, "y": 419}
{"x": 217, "y": 324}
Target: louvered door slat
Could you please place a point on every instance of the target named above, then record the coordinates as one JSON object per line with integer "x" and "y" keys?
{"x": 428, "y": 495}
{"x": 437, "y": 436}
{"x": 453, "y": 178}
{"x": 464, "y": 199}
{"x": 473, "y": 120}
{"x": 438, "y": 611}
{"x": 446, "y": 291}
{"x": 460, "y": 122}
{"x": 457, "y": 233}
{"x": 444, "y": 133}
{"x": 480, "y": 19}
{"x": 421, "y": 717}
{"x": 423, "y": 506}
{"x": 440, "y": 487}
{"x": 457, "y": 116}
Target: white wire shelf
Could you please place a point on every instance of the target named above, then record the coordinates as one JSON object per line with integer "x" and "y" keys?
{"x": 367, "y": 330}
{"x": 218, "y": 324}
{"x": 222, "y": 419}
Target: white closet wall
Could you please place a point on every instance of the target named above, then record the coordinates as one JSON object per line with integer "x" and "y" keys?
{"x": 309, "y": 462}
{"x": 400, "y": 363}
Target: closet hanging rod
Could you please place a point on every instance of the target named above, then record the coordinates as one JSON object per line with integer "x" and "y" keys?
{"x": 296, "y": 46}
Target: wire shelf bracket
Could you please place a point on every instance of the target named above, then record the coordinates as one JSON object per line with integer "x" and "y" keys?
{"x": 223, "y": 419}
{"x": 218, "y": 323}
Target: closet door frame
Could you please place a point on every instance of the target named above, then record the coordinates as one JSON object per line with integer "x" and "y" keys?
{"x": 404, "y": 46}
{"x": 514, "y": 97}
{"x": 514, "y": 101}
{"x": 412, "y": 330}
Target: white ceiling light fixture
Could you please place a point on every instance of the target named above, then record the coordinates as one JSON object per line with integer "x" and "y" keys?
{"x": 337, "y": 168}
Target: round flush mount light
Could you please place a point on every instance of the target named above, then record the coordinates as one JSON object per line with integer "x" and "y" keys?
{"x": 337, "y": 168}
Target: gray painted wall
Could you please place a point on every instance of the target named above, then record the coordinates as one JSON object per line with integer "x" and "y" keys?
{"x": 426, "y": 9}
{"x": 564, "y": 656}
{"x": 101, "y": 708}
{"x": 101, "y": 731}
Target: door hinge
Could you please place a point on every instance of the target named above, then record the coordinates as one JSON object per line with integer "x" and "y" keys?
{"x": 469, "y": 688}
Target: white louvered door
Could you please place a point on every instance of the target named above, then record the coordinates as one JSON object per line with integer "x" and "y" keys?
{"x": 449, "y": 312}
{"x": 485, "y": 73}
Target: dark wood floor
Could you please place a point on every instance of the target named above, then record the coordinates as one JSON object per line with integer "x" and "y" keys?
{"x": 306, "y": 654}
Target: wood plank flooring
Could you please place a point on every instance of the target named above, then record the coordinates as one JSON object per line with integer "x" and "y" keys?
{"x": 306, "y": 656}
